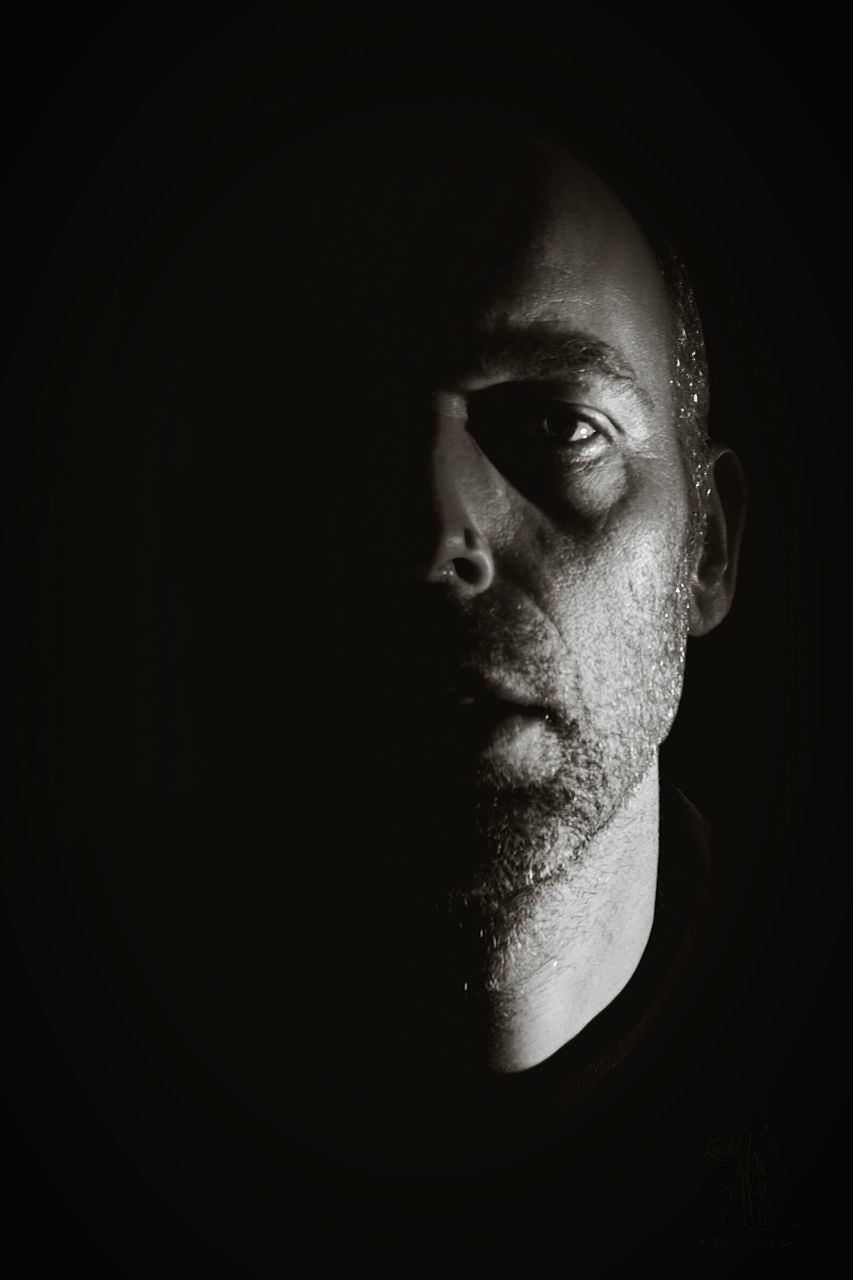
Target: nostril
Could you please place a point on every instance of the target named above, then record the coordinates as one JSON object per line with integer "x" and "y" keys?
{"x": 468, "y": 570}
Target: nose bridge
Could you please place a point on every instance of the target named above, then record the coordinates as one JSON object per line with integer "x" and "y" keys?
{"x": 460, "y": 500}
{"x": 453, "y": 477}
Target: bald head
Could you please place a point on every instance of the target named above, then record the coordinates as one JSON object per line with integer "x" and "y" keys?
{"x": 436, "y": 221}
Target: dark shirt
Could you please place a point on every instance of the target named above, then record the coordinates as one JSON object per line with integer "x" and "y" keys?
{"x": 155, "y": 1136}
{"x": 598, "y": 1149}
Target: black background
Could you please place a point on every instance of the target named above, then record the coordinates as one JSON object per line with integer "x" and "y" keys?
{"x": 121, "y": 135}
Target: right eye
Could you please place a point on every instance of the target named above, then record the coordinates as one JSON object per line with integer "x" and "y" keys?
{"x": 520, "y": 422}
{"x": 563, "y": 425}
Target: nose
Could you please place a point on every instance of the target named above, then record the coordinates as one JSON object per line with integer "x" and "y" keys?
{"x": 460, "y": 555}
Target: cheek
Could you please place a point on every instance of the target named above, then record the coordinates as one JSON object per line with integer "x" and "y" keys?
{"x": 613, "y": 555}
{"x": 584, "y": 504}
{"x": 580, "y": 499}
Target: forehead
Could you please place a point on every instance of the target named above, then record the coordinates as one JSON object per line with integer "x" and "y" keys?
{"x": 581, "y": 261}
{"x": 514, "y": 237}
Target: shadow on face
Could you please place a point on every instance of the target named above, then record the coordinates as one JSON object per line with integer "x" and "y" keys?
{"x": 433, "y": 467}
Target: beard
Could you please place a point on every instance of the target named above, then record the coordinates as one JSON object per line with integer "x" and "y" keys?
{"x": 434, "y": 843}
{"x": 488, "y": 830}
{"x": 439, "y": 860}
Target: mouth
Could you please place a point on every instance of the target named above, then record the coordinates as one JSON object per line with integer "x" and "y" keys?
{"x": 487, "y": 713}
{"x": 473, "y": 688}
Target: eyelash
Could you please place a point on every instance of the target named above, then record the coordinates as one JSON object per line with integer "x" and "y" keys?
{"x": 511, "y": 417}
{"x": 571, "y": 417}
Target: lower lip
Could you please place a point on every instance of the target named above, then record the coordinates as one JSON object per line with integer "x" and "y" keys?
{"x": 496, "y": 728}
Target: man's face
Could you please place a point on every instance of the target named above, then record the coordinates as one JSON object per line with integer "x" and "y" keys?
{"x": 539, "y": 497}
{"x": 495, "y": 564}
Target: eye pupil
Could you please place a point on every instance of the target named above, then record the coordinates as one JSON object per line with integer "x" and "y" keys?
{"x": 566, "y": 427}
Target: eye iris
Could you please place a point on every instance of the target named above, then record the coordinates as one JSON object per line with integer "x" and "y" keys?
{"x": 568, "y": 428}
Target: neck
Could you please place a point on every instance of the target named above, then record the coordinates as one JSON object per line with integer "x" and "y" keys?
{"x": 580, "y": 942}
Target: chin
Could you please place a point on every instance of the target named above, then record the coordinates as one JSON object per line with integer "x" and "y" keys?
{"x": 530, "y": 831}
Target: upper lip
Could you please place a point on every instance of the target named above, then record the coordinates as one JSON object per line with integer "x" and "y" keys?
{"x": 475, "y": 685}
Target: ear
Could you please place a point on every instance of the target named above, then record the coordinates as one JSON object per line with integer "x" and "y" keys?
{"x": 713, "y": 584}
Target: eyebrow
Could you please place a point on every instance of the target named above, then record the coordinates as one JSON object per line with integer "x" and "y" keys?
{"x": 544, "y": 351}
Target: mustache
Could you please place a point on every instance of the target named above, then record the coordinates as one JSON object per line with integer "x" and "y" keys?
{"x": 497, "y": 646}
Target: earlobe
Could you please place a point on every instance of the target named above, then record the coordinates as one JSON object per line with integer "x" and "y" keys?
{"x": 714, "y": 578}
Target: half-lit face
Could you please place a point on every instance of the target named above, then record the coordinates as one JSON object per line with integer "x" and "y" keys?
{"x": 491, "y": 577}
{"x": 558, "y": 529}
